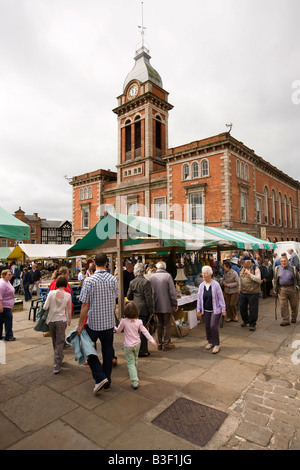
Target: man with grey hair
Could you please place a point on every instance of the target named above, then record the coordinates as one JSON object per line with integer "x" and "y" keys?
{"x": 164, "y": 304}
{"x": 294, "y": 260}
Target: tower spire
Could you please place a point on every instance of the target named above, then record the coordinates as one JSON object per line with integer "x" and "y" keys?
{"x": 142, "y": 28}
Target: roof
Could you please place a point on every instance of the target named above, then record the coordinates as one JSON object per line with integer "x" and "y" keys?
{"x": 4, "y": 253}
{"x": 11, "y": 227}
{"x": 134, "y": 230}
{"x": 143, "y": 70}
{"x": 39, "y": 251}
{"x": 54, "y": 223}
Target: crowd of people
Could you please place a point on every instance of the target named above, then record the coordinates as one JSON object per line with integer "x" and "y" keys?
{"x": 150, "y": 293}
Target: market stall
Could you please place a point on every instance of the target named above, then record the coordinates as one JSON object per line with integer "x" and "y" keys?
{"x": 123, "y": 236}
{"x": 11, "y": 227}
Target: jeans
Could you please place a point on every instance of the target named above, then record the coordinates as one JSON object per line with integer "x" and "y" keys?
{"x": 101, "y": 372}
{"x": 250, "y": 300}
{"x": 131, "y": 354}
{"x": 6, "y": 319}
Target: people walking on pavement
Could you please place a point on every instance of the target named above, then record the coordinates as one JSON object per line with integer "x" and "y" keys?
{"x": 98, "y": 296}
{"x": 164, "y": 304}
{"x": 231, "y": 283}
{"x": 211, "y": 304}
{"x": 59, "y": 306}
{"x": 132, "y": 327}
{"x": 7, "y": 301}
{"x": 140, "y": 292}
{"x": 250, "y": 291}
{"x": 286, "y": 286}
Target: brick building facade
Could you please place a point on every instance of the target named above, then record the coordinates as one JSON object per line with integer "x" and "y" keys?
{"x": 216, "y": 181}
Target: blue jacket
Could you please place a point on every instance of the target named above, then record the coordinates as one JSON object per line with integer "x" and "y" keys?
{"x": 82, "y": 345}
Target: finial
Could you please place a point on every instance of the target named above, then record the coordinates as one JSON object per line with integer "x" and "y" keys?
{"x": 142, "y": 27}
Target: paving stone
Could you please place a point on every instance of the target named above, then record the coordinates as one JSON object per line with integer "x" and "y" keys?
{"x": 58, "y": 436}
{"x": 36, "y": 408}
{"x": 258, "y": 434}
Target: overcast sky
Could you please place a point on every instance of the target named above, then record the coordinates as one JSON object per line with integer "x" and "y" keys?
{"x": 63, "y": 64}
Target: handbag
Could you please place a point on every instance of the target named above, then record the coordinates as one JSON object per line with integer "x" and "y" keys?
{"x": 41, "y": 317}
{"x": 151, "y": 324}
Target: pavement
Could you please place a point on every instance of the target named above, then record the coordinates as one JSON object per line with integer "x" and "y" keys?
{"x": 255, "y": 379}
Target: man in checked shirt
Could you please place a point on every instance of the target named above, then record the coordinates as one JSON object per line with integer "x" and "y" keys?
{"x": 98, "y": 296}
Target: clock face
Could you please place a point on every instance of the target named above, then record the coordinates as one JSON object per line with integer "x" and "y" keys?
{"x": 133, "y": 91}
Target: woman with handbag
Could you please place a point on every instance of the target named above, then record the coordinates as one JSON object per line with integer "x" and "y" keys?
{"x": 59, "y": 306}
{"x": 140, "y": 292}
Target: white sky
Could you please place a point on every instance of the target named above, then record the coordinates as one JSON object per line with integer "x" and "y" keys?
{"x": 63, "y": 64}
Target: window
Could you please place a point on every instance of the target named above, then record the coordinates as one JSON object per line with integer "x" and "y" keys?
{"x": 290, "y": 212}
{"x": 246, "y": 172}
{"x": 81, "y": 194}
{"x": 86, "y": 193}
{"x": 204, "y": 168}
{"x": 158, "y": 139}
{"x": 285, "y": 210}
{"x": 196, "y": 207}
{"x": 185, "y": 171}
{"x": 85, "y": 220}
{"x": 3, "y": 242}
{"x": 90, "y": 192}
{"x": 137, "y": 137}
{"x": 33, "y": 230}
{"x": 258, "y": 210}
{"x": 128, "y": 141}
{"x": 159, "y": 208}
{"x": 132, "y": 208}
{"x": 242, "y": 170}
{"x": 238, "y": 168}
{"x": 244, "y": 200}
{"x": 273, "y": 207}
{"x": 266, "y": 196}
{"x": 195, "y": 170}
{"x": 279, "y": 209}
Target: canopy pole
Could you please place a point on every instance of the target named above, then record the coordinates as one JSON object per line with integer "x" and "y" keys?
{"x": 120, "y": 272}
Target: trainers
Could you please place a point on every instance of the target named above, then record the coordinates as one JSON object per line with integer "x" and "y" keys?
{"x": 98, "y": 386}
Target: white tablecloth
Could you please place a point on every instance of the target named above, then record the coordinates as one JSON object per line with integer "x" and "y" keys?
{"x": 187, "y": 299}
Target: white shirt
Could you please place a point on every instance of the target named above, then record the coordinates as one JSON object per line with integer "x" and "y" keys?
{"x": 59, "y": 306}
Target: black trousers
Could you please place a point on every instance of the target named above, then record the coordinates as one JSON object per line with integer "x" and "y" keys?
{"x": 249, "y": 308}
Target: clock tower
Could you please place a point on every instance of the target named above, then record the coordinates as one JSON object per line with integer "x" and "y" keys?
{"x": 143, "y": 111}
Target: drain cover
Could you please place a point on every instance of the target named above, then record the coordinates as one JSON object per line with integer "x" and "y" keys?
{"x": 190, "y": 420}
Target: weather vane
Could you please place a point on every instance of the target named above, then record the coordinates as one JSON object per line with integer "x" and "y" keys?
{"x": 142, "y": 27}
{"x": 230, "y": 127}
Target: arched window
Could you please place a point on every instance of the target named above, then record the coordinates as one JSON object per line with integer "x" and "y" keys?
{"x": 242, "y": 170}
{"x": 195, "y": 170}
{"x": 246, "y": 172}
{"x": 204, "y": 168}
{"x": 81, "y": 194}
{"x": 273, "y": 196}
{"x": 238, "y": 168}
{"x": 266, "y": 195}
{"x": 85, "y": 193}
{"x": 128, "y": 140}
{"x": 285, "y": 210}
{"x": 137, "y": 136}
{"x": 185, "y": 171}
{"x": 279, "y": 209}
{"x": 90, "y": 192}
{"x": 291, "y": 212}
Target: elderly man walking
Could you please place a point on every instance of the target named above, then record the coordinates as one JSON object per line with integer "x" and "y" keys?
{"x": 98, "y": 297}
{"x": 164, "y": 304}
{"x": 250, "y": 290}
{"x": 286, "y": 286}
